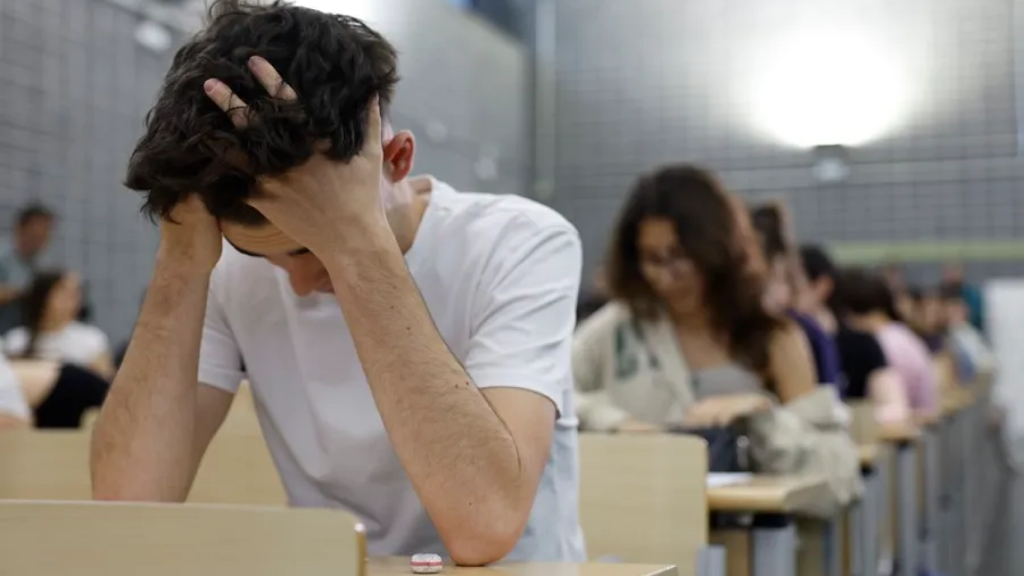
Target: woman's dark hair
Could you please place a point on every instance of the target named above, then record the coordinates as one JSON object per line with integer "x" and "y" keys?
{"x": 714, "y": 231}
{"x": 336, "y": 64}
{"x": 817, "y": 263}
{"x": 859, "y": 292}
{"x": 34, "y": 304}
{"x": 770, "y": 225}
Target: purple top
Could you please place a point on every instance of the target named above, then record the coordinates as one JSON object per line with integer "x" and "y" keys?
{"x": 908, "y": 355}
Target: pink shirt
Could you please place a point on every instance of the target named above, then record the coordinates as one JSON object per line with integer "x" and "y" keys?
{"x": 907, "y": 354}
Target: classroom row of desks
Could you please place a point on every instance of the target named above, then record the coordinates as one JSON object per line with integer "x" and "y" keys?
{"x": 644, "y": 503}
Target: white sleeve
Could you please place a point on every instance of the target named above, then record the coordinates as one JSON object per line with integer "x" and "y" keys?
{"x": 15, "y": 342}
{"x": 525, "y": 312}
{"x": 220, "y": 362}
{"x": 12, "y": 399}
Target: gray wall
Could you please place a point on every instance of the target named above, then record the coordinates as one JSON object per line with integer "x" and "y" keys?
{"x": 646, "y": 82}
{"x": 74, "y": 88}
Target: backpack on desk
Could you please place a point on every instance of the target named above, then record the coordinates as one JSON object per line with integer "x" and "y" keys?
{"x": 727, "y": 448}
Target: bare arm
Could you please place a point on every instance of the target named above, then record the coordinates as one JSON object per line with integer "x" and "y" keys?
{"x": 791, "y": 363}
{"x": 437, "y": 419}
{"x": 156, "y": 422}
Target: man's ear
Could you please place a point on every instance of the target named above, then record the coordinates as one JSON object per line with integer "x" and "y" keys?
{"x": 399, "y": 152}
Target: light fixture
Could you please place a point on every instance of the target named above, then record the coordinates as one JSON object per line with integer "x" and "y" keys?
{"x": 828, "y": 84}
{"x": 831, "y": 164}
{"x": 153, "y": 36}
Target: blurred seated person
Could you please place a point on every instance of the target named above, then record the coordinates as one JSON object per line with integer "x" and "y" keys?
{"x": 786, "y": 285}
{"x": 865, "y": 372}
{"x": 58, "y": 394}
{"x": 929, "y": 320}
{"x": 953, "y": 274}
{"x": 14, "y": 409}
{"x": 971, "y": 353}
{"x": 19, "y": 259}
{"x": 687, "y": 341}
{"x": 865, "y": 303}
{"x": 50, "y": 329}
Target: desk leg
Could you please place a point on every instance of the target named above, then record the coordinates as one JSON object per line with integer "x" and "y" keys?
{"x": 834, "y": 546}
{"x": 775, "y": 550}
{"x": 711, "y": 561}
{"x": 866, "y": 521}
{"x": 930, "y": 528}
{"x": 856, "y": 533}
{"x": 883, "y": 514}
{"x": 906, "y": 478}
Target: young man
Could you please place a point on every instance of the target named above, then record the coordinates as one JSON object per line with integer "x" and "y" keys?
{"x": 32, "y": 228}
{"x": 408, "y": 345}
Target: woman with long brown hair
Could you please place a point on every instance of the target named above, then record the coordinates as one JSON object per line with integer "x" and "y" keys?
{"x": 687, "y": 340}
{"x": 50, "y": 329}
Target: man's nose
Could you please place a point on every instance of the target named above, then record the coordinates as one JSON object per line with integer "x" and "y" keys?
{"x": 304, "y": 279}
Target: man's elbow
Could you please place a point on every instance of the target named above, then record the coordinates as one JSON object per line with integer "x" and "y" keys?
{"x": 485, "y": 542}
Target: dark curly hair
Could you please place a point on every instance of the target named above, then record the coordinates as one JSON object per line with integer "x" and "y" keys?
{"x": 336, "y": 64}
{"x": 714, "y": 231}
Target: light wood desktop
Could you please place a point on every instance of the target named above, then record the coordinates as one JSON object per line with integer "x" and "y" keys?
{"x": 767, "y": 494}
{"x": 400, "y": 567}
{"x": 642, "y": 498}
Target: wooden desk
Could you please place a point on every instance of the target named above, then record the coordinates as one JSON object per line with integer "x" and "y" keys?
{"x": 763, "y": 495}
{"x": 767, "y": 494}
{"x": 400, "y": 567}
{"x": 899, "y": 432}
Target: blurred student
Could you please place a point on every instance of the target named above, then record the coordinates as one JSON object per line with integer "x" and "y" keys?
{"x": 18, "y": 260}
{"x": 865, "y": 372}
{"x": 58, "y": 395}
{"x": 687, "y": 341}
{"x": 953, "y": 274}
{"x": 971, "y": 353}
{"x": 866, "y": 303}
{"x": 50, "y": 329}
{"x": 787, "y": 285}
{"x": 14, "y": 409}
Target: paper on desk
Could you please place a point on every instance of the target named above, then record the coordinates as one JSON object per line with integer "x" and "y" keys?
{"x": 716, "y": 479}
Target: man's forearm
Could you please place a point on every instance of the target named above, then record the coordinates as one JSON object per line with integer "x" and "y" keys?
{"x": 458, "y": 454}
{"x": 143, "y": 443}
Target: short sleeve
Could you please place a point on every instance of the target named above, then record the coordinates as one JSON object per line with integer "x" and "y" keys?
{"x": 12, "y": 399}
{"x": 524, "y": 312}
{"x": 15, "y": 342}
{"x": 220, "y": 362}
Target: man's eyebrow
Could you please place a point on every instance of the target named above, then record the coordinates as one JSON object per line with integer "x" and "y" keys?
{"x": 296, "y": 252}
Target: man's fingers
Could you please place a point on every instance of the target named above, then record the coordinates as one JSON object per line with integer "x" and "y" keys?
{"x": 223, "y": 97}
{"x": 272, "y": 82}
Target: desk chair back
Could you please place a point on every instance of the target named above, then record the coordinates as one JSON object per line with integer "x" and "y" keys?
{"x": 41, "y": 465}
{"x": 643, "y": 498}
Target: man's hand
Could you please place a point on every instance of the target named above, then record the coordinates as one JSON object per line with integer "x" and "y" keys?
{"x": 191, "y": 237}
{"x": 323, "y": 199}
{"x": 724, "y": 410}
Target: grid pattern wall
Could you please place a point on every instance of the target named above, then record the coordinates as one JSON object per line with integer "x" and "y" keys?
{"x": 648, "y": 82}
{"x": 75, "y": 87}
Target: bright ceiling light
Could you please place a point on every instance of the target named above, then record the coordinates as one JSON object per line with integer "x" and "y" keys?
{"x": 828, "y": 86}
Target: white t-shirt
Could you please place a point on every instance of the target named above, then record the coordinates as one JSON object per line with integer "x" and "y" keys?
{"x": 76, "y": 343}
{"x": 12, "y": 398}
{"x": 500, "y": 276}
